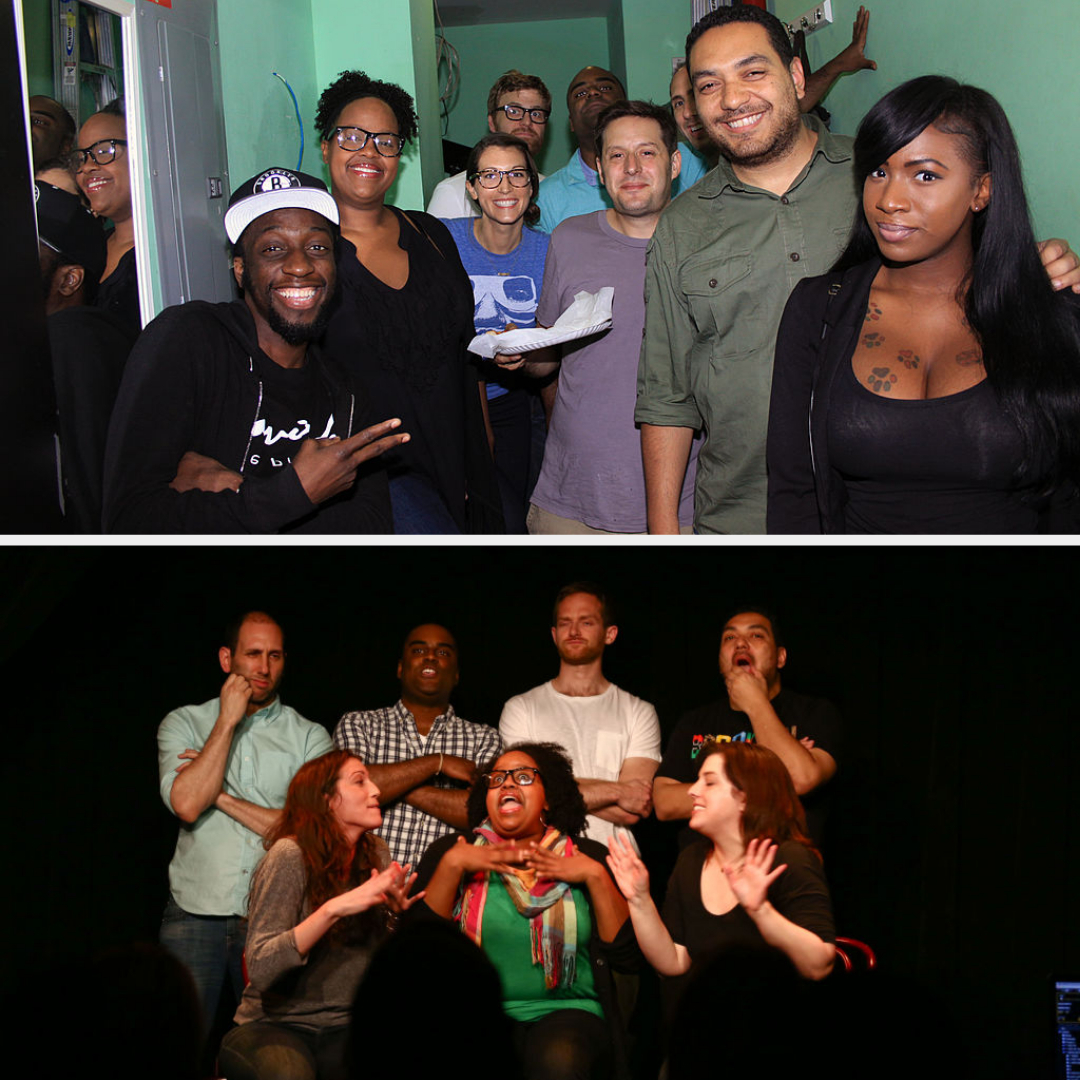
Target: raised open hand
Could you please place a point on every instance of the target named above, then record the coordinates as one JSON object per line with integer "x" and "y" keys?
{"x": 750, "y": 879}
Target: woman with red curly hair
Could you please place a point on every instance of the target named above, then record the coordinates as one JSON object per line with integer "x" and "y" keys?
{"x": 725, "y": 891}
{"x": 318, "y": 908}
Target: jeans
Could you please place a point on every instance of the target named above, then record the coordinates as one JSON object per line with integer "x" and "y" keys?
{"x": 211, "y": 947}
{"x": 418, "y": 508}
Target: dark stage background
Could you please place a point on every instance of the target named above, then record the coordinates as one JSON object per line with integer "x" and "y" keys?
{"x": 953, "y": 842}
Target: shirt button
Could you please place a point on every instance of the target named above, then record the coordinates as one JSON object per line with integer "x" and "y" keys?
{"x": 794, "y": 256}
{"x": 783, "y": 200}
{"x": 712, "y": 283}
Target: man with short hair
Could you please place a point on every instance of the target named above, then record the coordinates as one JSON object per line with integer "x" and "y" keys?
{"x": 804, "y": 732}
{"x": 612, "y": 737}
{"x": 591, "y": 480}
{"x": 224, "y": 768}
{"x": 420, "y": 753}
{"x": 52, "y": 130}
{"x": 518, "y": 105}
{"x": 722, "y": 263}
{"x": 229, "y": 418}
{"x": 576, "y": 188}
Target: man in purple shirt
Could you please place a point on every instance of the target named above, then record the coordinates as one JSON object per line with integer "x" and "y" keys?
{"x": 592, "y": 479}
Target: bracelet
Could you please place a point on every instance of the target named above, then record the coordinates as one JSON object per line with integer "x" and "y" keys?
{"x": 440, "y": 761}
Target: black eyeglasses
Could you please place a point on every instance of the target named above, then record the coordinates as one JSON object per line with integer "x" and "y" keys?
{"x": 103, "y": 151}
{"x": 356, "y": 138}
{"x": 523, "y": 776}
{"x": 516, "y": 112}
{"x": 492, "y": 178}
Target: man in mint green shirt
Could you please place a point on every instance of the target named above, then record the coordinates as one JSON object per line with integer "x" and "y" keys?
{"x": 224, "y": 769}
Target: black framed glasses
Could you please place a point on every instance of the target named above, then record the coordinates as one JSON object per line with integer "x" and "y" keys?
{"x": 523, "y": 776}
{"x": 516, "y": 112}
{"x": 356, "y": 138}
{"x": 103, "y": 151}
{"x": 492, "y": 178}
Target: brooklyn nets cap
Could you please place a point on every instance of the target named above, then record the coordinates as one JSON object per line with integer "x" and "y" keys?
{"x": 277, "y": 189}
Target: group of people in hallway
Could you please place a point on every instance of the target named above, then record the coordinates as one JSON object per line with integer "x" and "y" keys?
{"x": 301, "y": 854}
{"x": 877, "y": 279}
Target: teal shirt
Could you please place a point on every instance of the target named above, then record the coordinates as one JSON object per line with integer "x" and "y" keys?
{"x": 211, "y": 870}
{"x": 506, "y": 940}
{"x": 568, "y": 191}
{"x": 720, "y": 268}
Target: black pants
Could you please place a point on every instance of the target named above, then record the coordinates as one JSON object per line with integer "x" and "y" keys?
{"x": 570, "y": 1044}
{"x": 263, "y": 1050}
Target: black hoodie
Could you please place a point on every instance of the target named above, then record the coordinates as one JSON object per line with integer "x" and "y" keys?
{"x": 191, "y": 384}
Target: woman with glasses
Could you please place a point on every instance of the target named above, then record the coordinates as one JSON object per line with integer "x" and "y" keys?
{"x": 504, "y": 259}
{"x": 540, "y": 902}
{"x": 403, "y": 316}
{"x": 101, "y": 170}
{"x": 320, "y": 903}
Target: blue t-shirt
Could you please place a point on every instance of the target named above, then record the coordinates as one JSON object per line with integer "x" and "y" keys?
{"x": 506, "y": 288}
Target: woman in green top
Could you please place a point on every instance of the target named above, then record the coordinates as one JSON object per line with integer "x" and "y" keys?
{"x": 544, "y": 908}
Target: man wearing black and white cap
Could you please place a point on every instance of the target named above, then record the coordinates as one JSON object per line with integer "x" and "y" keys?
{"x": 229, "y": 419}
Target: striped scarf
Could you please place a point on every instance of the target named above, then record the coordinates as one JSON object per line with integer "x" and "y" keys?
{"x": 549, "y": 908}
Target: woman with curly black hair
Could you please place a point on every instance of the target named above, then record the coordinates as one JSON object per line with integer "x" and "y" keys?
{"x": 403, "y": 316}
{"x": 540, "y": 901}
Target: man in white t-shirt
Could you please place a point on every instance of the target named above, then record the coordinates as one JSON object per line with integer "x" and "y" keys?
{"x": 612, "y": 737}
{"x": 518, "y": 105}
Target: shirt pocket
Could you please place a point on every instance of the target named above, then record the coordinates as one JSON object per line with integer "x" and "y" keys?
{"x": 610, "y": 748}
{"x": 723, "y": 302}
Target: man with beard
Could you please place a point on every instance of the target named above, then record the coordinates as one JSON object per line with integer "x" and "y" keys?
{"x": 804, "y": 732}
{"x": 777, "y": 208}
{"x": 52, "y": 130}
{"x": 518, "y": 105}
{"x": 224, "y": 768}
{"x": 229, "y": 419}
{"x": 576, "y": 188}
{"x": 612, "y": 737}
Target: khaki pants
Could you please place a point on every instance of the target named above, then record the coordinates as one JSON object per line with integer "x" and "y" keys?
{"x": 544, "y": 523}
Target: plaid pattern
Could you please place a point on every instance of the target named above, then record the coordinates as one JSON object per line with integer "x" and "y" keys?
{"x": 386, "y": 736}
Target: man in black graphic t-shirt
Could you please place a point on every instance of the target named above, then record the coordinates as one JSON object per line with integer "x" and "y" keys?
{"x": 804, "y": 732}
{"x": 229, "y": 420}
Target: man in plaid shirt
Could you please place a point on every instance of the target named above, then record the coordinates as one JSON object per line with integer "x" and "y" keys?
{"x": 419, "y": 752}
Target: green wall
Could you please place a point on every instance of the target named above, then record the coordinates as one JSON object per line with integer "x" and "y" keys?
{"x": 1025, "y": 56}
{"x": 555, "y": 50}
{"x": 37, "y": 28}
{"x": 654, "y": 33}
{"x": 260, "y": 121}
{"x": 377, "y": 36}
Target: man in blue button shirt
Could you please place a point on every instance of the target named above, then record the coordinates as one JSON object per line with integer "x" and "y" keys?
{"x": 224, "y": 769}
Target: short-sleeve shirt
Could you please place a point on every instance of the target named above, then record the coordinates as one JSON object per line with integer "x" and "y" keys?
{"x": 800, "y": 894}
{"x": 210, "y": 872}
{"x": 387, "y": 736}
{"x": 803, "y": 716}
{"x": 506, "y": 288}
{"x": 592, "y": 468}
{"x": 598, "y": 732}
{"x": 720, "y": 268}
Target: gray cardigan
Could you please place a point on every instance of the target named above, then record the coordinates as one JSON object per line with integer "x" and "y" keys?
{"x": 315, "y": 991}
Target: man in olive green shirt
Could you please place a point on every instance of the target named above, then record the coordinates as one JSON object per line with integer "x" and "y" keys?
{"x": 722, "y": 264}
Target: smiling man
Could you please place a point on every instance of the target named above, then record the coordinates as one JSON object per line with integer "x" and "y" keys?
{"x": 804, "y": 732}
{"x": 229, "y": 419}
{"x": 224, "y": 767}
{"x": 591, "y": 480}
{"x": 612, "y": 737}
{"x": 518, "y": 105}
{"x": 420, "y": 753}
{"x": 576, "y": 188}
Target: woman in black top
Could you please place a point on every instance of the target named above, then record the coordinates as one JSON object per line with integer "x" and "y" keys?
{"x": 725, "y": 891}
{"x": 931, "y": 381}
{"x": 403, "y": 316}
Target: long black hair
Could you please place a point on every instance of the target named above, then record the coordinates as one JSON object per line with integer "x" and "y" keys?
{"x": 1029, "y": 335}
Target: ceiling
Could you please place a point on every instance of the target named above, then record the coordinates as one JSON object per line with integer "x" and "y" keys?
{"x": 479, "y": 12}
